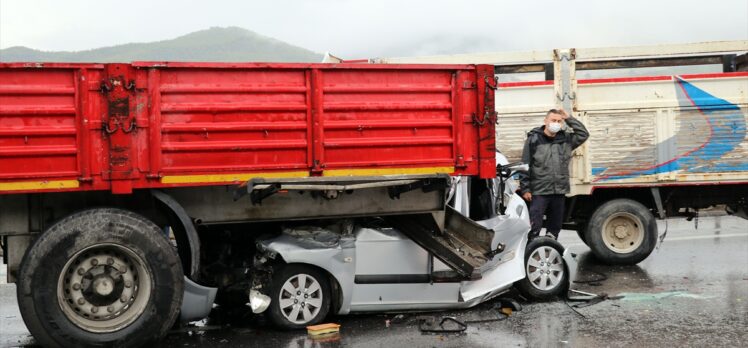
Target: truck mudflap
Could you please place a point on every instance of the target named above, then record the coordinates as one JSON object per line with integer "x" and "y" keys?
{"x": 197, "y": 301}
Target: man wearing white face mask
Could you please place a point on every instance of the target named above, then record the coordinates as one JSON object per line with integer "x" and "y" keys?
{"x": 548, "y": 152}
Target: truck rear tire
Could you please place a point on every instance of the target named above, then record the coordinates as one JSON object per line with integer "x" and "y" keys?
{"x": 99, "y": 278}
{"x": 300, "y": 296}
{"x": 622, "y": 232}
{"x": 546, "y": 275}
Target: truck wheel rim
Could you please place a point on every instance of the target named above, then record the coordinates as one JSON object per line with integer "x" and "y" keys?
{"x": 104, "y": 288}
{"x": 623, "y": 232}
{"x": 545, "y": 268}
{"x": 300, "y": 299}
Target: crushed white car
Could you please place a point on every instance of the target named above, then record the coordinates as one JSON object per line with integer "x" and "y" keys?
{"x": 370, "y": 265}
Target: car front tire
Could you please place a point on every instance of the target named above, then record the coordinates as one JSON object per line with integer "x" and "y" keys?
{"x": 300, "y": 296}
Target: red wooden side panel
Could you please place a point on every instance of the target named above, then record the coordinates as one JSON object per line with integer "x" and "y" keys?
{"x": 236, "y": 120}
{"x": 388, "y": 118}
{"x": 37, "y": 116}
{"x": 121, "y": 127}
{"x": 41, "y": 145}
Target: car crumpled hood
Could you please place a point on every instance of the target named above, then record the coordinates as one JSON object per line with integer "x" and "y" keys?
{"x": 507, "y": 267}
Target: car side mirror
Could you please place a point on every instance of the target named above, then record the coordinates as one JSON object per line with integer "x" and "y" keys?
{"x": 522, "y": 167}
{"x": 510, "y": 169}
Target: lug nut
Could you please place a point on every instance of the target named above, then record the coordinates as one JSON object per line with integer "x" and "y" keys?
{"x": 94, "y": 309}
{"x": 109, "y": 261}
{"x": 76, "y": 286}
{"x": 110, "y": 309}
{"x": 81, "y": 301}
{"x": 81, "y": 271}
{"x": 94, "y": 262}
{"x": 128, "y": 283}
{"x": 123, "y": 299}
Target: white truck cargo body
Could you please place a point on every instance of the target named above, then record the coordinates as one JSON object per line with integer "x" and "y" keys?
{"x": 643, "y": 130}
{"x": 667, "y": 130}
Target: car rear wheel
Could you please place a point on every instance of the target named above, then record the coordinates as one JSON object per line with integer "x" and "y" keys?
{"x": 101, "y": 277}
{"x": 546, "y": 275}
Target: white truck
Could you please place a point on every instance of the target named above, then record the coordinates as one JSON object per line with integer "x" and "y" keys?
{"x": 667, "y": 132}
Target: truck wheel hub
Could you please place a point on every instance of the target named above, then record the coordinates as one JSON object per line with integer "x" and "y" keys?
{"x": 545, "y": 268}
{"x": 104, "y": 288}
{"x": 622, "y": 232}
{"x": 300, "y": 299}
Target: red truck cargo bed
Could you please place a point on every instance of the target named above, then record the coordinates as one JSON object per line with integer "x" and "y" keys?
{"x": 121, "y": 127}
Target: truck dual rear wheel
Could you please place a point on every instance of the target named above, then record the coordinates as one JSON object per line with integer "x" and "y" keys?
{"x": 622, "y": 232}
{"x": 101, "y": 277}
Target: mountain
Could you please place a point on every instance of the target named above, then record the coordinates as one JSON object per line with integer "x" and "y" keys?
{"x": 216, "y": 44}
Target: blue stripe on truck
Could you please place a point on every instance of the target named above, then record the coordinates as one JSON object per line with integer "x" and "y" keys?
{"x": 727, "y": 130}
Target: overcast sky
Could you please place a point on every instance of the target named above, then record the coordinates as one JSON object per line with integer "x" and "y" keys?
{"x": 378, "y": 28}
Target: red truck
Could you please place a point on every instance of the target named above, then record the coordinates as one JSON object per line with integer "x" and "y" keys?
{"x": 125, "y": 186}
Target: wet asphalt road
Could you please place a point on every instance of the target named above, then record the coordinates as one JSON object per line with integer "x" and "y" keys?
{"x": 692, "y": 291}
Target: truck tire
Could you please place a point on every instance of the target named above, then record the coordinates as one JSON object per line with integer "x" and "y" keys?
{"x": 300, "y": 296}
{"x": 622, "y": 232}
{"x": 546, "y": 275}
{"x": 100, "y": 278}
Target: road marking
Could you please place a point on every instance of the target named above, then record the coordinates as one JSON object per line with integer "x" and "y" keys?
{"x": 713, "y": 236}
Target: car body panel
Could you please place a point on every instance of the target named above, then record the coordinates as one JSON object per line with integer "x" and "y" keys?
{"x": 508, "y": 266}
{"x": 334, "y": 255}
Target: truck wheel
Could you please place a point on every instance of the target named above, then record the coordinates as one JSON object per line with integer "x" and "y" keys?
{"x": 622, "y": 232}
{"x": 546, "y": 276}
{"x": 98, "y": 278}
{"x": 300, "y": 296}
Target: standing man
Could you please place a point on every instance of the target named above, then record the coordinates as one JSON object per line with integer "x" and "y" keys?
{"x": 548, "y": 152}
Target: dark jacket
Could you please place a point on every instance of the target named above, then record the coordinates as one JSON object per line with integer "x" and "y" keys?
{"x": 549, "y": 158}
